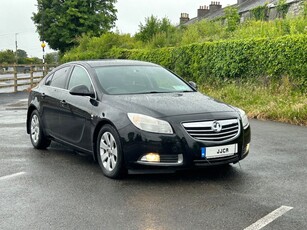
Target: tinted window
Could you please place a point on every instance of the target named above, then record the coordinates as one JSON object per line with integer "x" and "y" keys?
{"x": 79, "y": 76}
{"x": 59, "y": 78}
{"x": 139, "y": 79}
{"x": 49, "y": 79}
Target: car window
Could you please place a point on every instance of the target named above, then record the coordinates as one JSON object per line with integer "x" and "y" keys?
{"x": 79, "y": 76}
{"x": 165, "y": 80}
{"x": 139, "y": 79}
{"x": 49, "y": 79}
{"x": 59, "y": 78}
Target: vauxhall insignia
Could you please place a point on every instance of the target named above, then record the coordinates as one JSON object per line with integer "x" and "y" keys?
{"x": 216, "y": 127}
{"x": 128, "y": 128}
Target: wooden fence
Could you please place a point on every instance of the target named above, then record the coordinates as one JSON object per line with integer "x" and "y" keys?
{"x": 21, "y": 76}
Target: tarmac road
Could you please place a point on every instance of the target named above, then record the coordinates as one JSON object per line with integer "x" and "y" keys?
{"x": 11, "y": 99}
{"x": 59, "y": 189}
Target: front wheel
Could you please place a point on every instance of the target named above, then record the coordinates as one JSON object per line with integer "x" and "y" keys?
{"x": 38, "y": 139}
{"x": 109, "y": 152}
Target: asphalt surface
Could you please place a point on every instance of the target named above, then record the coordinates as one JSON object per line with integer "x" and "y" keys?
{"x": 13, "y": 100}
{"x": 59, "y": 189}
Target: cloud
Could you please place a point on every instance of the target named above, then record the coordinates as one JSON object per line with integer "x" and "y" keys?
{"x": 15, "y": 17}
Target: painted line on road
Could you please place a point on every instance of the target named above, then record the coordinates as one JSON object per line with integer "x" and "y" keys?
{"x": 12, "y": 175}
{"x": 269, "y": 218}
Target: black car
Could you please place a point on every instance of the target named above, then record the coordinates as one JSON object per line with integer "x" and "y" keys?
{"x": 133, "y": 115}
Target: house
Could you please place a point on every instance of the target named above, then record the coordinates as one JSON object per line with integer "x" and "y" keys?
{"x": 215, "y": 10}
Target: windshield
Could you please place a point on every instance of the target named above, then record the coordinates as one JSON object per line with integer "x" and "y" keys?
{"x": 139, "y": 80}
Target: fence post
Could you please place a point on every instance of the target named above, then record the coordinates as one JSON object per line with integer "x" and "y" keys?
{"x": 31, "y": 76}
{"x": 15, "y": 78}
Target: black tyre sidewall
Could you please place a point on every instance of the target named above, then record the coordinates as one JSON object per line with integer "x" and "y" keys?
{"x": 42, "y": 142}
{"x": 117, "y": 172}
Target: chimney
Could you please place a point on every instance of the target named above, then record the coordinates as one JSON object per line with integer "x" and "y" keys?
{"x": 184, "y": 18}
{"x": 214, "y": 6}
{"x": 202, "y": 11}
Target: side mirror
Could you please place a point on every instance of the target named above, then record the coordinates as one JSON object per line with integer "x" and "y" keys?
{"x": 81, "y": 90}
{"x": 193, "y": 84}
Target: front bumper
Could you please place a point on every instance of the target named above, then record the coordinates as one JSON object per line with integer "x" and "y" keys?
{"x": 176, "y": 151}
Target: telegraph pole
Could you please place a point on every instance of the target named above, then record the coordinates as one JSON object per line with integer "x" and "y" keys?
{"x": 43, "y": 45}
{"x": 16, "y": 47}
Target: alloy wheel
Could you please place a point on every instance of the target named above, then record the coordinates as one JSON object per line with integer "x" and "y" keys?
{"x": 35, "y": 128}
{"x": 108, "y": 151}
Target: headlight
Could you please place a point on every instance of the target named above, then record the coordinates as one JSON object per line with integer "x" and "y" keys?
{"x": 244, "y": 118}
{"x": 150, "y": 124}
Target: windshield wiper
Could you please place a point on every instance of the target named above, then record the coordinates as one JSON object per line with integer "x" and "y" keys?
{"x": 154, "y": 92}
{"x": 149, "y": 92}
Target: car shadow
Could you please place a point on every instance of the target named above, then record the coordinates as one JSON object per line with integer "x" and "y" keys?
{"x": 210, "y": 173}
{"x": 227, "y": 173}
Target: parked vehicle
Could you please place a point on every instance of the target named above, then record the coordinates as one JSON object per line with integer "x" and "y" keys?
{"x": 134, "y": 115}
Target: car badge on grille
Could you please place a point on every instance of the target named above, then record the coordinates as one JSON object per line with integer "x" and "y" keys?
{"x": 216, "y": 127}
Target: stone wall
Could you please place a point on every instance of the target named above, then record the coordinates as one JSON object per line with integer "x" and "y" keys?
{"x": 295, "y": 9}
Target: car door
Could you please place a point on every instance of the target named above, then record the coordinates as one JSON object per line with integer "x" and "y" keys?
{"x": 52, "y": 101}
{"x": 77, "y": 113}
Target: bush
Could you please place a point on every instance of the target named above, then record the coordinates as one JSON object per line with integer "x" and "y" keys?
{"x": 231, "y": 59}
{"x": 100, "y": 47}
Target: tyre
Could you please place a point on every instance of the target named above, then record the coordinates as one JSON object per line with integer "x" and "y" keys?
{"x": 109, "y": 152}
{"x": 38, "y": 139}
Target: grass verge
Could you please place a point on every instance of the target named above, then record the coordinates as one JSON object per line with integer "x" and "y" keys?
{"x": 281, "y": 100}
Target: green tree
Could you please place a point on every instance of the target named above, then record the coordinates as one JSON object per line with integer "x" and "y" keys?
{"x": 7, "y": 57}
{"x": 21, "y": 56}
{"x": 152, "y": 27}
{"x": 105, "y": 46}
{"x": 232, "y": 18}
{"x": 52, "y": 58}
{"x": 59, "y": 23}
{"x": 33, "y": 60}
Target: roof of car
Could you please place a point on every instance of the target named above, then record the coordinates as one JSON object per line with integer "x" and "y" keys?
{"x": 113, "y": 62}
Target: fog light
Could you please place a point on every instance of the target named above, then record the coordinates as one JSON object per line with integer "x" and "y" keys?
{"x": 151, "y": 157}
{"x": 247, "y": 148}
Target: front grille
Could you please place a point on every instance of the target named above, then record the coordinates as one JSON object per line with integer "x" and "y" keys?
{"x": 204, "y": 130}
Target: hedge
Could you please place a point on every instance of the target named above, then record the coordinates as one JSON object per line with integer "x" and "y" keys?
{"x": 224, "y": 59}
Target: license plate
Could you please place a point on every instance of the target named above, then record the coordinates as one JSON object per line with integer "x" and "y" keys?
{"x": 219, "y": 151}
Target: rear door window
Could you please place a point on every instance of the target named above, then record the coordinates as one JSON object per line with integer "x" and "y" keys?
{"x": 59, "y": 78}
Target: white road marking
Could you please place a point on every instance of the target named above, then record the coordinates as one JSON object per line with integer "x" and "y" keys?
{"x": 12, "y": 176}
{"x": 269, "y": 218}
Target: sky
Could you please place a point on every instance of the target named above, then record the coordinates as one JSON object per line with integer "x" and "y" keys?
{"x": 16, "y": 23}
